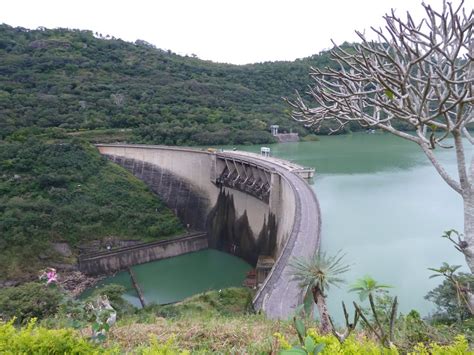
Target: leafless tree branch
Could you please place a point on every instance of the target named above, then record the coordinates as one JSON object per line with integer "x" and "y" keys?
{"x": 415, "y": 81}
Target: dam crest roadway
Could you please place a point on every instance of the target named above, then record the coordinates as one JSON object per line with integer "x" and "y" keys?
{"x": 255, "y": 207}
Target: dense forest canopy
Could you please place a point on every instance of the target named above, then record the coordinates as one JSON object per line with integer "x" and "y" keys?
{"x": 76, "y": 79}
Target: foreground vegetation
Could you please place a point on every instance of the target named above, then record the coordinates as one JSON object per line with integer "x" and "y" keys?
{"x": 216, "y": 321}
{"x": 62, "y": 190}
{"x": 239, "y": 335}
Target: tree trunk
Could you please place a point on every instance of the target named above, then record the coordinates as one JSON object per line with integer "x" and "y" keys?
{"x": 468, "y": 247}
{"x": 470, "y": 301}
{"x": 320, "y": 301}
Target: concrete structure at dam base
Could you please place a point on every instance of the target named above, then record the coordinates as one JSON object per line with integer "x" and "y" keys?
{"x": 106, "y": 262}
{"x": 250, "y": 206}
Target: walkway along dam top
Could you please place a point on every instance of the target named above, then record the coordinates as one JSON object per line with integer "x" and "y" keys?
{"x": 279, "y": 295}
{"x": 266, "y": 205}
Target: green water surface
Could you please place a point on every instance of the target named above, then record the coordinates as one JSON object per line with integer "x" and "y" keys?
{"x": 171, "y": 280}
{"x": 384, "y": 205}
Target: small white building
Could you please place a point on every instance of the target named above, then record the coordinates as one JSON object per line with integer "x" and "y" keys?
{"x": 274, "y": 129}
{"x": 265, "y": 151}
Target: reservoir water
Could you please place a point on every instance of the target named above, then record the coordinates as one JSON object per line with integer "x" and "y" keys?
{"x": 384, "y": 205}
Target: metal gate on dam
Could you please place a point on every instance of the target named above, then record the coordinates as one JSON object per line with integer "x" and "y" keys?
{"x": 251, "y": 206}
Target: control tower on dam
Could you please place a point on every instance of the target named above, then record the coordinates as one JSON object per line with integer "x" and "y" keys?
{"x": 258, "y": 208}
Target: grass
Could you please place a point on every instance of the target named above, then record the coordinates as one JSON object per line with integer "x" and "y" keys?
{"x": 226, "y": 302}
{"x": 250, "y": 334}
{"x": 219, "y": 321}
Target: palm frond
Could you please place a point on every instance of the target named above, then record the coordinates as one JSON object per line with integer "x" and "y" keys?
{"x": 367, "y": 285}
{"x": 321, "y": 271}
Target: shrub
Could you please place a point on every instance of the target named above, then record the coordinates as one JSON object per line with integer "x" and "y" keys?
{"x": 114, "y": 294}
{"x": 460, "y": 346}
{"x": 30, "y": 300}
{"x": 363, "y": 346}
{"x": 167, "y": 348}
{"x": 448, "y": 307}
{"x": 52, "y": 180}
{"x": 32, "y": 339}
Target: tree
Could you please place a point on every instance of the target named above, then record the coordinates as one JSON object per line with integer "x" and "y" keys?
{"x": 445, "y": 296}
{"x": 417, "y": 75}
{"x": 384, "y": 309}
{"x": 367, "y": 285}
{"x": 459, "y": 284}
{"x": 316, "y": 275}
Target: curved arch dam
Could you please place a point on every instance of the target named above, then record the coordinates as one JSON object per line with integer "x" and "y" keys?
{"x": 258, "y": 208}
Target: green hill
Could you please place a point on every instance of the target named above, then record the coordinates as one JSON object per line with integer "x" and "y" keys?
{"x": 73, "y": 80}
{"x": 64, "y": 191}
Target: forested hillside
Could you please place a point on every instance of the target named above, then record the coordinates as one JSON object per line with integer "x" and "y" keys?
{"x": 77, "y": 80}
{"x": 55, "y": 190}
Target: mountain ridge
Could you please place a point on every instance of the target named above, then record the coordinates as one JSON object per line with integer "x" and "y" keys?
{"x": 73, "y": 80}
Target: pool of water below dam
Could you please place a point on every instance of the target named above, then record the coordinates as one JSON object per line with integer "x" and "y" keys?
{"x": 174, "y": 279}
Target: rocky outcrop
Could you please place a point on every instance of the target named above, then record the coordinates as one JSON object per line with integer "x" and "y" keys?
{"x": 63, "y": 249}
{"x": 76, "y": 282}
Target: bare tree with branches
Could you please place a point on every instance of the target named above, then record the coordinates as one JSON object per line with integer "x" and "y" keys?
{"x": 417, "y": 74}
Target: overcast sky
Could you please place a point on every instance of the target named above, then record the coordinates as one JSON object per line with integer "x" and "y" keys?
{"x": 232, "y": 31}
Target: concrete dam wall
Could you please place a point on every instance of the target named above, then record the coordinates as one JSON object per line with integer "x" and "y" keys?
{"x": 105, "y": 262}
{"x": 249, "y": 206}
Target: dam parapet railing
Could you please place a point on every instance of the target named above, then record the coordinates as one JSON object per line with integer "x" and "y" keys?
{"x": 304, "y": 172}
{"x": 280, "y": 295}
{"x": 277, "y": 188}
